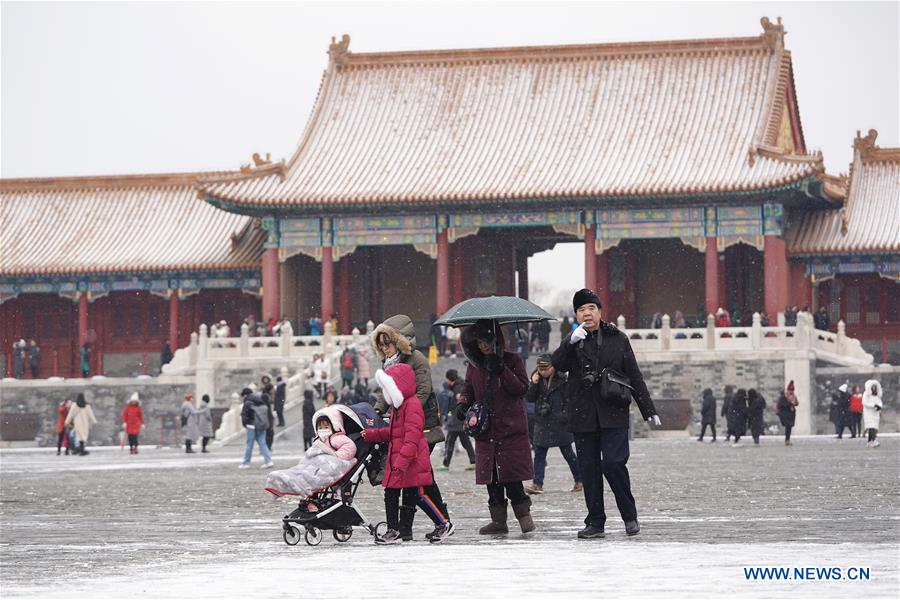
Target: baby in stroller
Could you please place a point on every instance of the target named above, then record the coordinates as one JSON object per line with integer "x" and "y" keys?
{"x": 330, "y": 457}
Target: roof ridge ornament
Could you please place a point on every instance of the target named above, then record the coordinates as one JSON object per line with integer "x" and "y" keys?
{"x": 865, "y": 145}
{"x": 339, "y": 51}
{"x": 773, "y": 33}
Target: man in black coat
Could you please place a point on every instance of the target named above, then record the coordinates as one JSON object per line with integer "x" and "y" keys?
{"x": 280, "y": 393}
{"x": 599, "y": 424}
{"x": 708, "y": 414}
{"x": 726, "y": 408}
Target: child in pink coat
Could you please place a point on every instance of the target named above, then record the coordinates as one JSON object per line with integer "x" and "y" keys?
{"x": 408, "y": 466}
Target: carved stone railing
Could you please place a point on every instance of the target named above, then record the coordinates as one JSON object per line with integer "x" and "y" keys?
{"x": 836, "y": 347}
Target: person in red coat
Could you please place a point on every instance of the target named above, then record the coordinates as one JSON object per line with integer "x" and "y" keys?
{"x": 502, "y": 454}
{"x": 61, "y": 413}
{"x": 408, "y": 467}
{"x": 133, "y": 421}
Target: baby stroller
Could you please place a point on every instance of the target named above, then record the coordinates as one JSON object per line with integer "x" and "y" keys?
{"x": 336, "y": 510}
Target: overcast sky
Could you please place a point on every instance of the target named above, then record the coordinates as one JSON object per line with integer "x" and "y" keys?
{"x": 108, "y": 88}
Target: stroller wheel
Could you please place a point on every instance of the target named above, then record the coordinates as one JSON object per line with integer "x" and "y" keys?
{"x": 313, "y": 536}
{"x": 343, "y": 535}
{"x": 380, "y": 529}
{"x": 291, "y": 535}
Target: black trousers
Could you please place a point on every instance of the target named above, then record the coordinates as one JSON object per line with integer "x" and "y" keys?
{"x": 787, "y": 431}
{"x": 132, "y": 440}
{"x": 280, "y": 413}
{"x": 712, "y": 428}
{"x": 873, "y": 433}
{"x": 59, "y": 440}
{"x": 270, "y": 438}
{"x": 450, "y": 446}
{"x": 605, "y": 453}
{"x": 499, "y": 492}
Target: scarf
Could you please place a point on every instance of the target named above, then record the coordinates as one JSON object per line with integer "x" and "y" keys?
{"x": 392, "y": 360}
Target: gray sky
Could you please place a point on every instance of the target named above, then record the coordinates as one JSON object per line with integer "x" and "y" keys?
{"x": 107, "y": 88}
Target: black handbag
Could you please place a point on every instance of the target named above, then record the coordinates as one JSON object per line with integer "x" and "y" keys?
{"x": 478, "y": 420}
{"x": 615, "y": 388}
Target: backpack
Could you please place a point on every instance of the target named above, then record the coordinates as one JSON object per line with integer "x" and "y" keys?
{"x": 260, "y": 417}
{"x": 348, "y": 361}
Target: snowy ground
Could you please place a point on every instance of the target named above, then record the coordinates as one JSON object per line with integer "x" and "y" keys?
{"x": 166, "y": 525}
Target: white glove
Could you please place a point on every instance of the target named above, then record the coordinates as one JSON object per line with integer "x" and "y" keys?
{"x": 579, "y": 334}
{"x": 655, "y": 420}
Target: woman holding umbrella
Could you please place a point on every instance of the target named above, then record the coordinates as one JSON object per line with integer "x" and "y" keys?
{"x": 503, "y": 454}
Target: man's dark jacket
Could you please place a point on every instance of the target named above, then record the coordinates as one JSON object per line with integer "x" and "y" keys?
{"x": 587, "y": 412}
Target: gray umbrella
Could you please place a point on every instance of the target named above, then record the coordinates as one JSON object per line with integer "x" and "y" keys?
{"x": 504, "y": 309}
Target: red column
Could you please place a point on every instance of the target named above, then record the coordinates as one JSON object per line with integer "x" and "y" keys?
{"x": 344, "y": 323}
{"x": 712, "y": 276}
{"x": 801, "y": 286}
{"x": 82, "y": 322}
{"x": 271, "y": 284}
{"x": 723, "y": 282}
{"x": 442, "y": 296}
{"x": 603, "y": 281}
{"x": 775, "y": 276}
{"x": 173, "y": 321}
{"x": 327, "y": 284}
{"x": 590, "y": 258}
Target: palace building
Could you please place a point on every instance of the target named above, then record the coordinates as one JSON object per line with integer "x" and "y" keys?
{"x": 423, "y": 178}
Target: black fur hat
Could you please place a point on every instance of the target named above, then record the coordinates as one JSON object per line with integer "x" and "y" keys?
{"x": 586, "y": 296}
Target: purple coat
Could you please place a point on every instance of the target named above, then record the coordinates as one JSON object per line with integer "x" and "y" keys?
{"x": 506, "y": 443}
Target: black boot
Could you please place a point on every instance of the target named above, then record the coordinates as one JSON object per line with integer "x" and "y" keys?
{"x": 205, "y": 441}
{"x": 187, "y": 447}
{"x": 522, "y": 510}
{"x": 81, "y": 450}
{"x": 407, "y": 516}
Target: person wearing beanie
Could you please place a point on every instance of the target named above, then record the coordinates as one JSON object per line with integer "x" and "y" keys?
{"x": 600, "y": 425}
{"x": 547, "y": 395}
{"x": 133, "y": 421}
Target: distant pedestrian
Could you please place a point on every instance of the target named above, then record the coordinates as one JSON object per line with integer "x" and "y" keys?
{"x": 203, "y": 416}
{"x": 189, "y": 431}
{"x": 321, "y": 373}
{"x": 708, "y": 414}
{"x": 331, "y": 396}
{"x": 363, "y": 370}
{"x": 856, "y": 412}
{"x": 787, "y": 411}
{"x": 255, "y": 419}
{"x": 726, "y": 406}
{"x": 81, "y": 418}
{"x": 267, "y": 390}
{"x": 165, "y": 355}
{"x": 309, "y": 429}
{"x": 737, "y": 416}
{"x": 85, "y": 360}
{"x": 547, "y": 393}
{"x": 133, "y": 421}
{"x": 455, "y": 428}
{"x": 348, "y": 367}
{"x": 280, "y": 394}
{"x": 873, "y": 404}
{"x": 61, "y": 432}
{"x": 821, "y": 320}
{"x": 839, "y": 411}
{"x": 34, "y": 359}
{"x": 756, "y": 405}
{"x": 18, "y": 351}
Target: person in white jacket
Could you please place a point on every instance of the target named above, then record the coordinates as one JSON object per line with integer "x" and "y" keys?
{"x": 321, "y": 373}
{"x": 872, "y": 406}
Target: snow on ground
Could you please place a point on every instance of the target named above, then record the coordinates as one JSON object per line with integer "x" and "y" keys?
{"x": 166, "y": 525}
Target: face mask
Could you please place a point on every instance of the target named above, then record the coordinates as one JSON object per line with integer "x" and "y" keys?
{"x": 324, "y": 433}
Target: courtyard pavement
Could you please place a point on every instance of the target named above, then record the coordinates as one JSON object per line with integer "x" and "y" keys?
{"x": 168, "y": 525}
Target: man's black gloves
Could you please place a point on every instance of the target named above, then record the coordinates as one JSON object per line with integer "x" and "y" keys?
{"x": 461, "y": 410}
{"x": 494, "y": 363}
